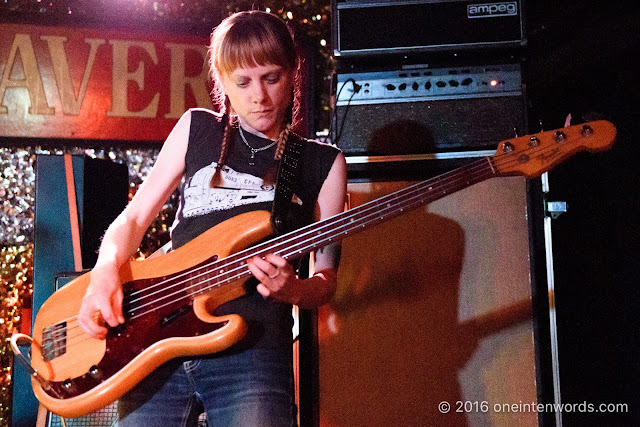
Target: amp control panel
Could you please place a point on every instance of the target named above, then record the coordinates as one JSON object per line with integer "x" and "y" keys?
{"x": 424, "y": 84}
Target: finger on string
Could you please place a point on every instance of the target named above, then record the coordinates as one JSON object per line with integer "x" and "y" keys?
{"x": 265, "y": 266}
{"x": 93, "y": 327}
{"x": 276, "y": 260}
{"x": 108, "y": 315}
{"x": 255, "y": 269}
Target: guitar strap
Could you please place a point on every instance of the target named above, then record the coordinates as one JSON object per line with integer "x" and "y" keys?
{"x": 73, "y": 212}
{"x": 282, "y": 219}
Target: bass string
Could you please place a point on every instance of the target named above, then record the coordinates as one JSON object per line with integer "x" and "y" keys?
{"x": 172, "y": 283}
{"x": 225, "y": 267}
{"x": 414, "y": 197}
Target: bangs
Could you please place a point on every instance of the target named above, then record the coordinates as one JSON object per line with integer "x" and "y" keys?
{"x": 244, "y": 47}
{"x": 249, "y": 39}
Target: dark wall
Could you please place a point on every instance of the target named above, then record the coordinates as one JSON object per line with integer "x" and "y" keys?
{"x": 583, "y": 59}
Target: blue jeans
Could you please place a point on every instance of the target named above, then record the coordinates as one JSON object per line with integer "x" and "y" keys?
{"x": 247, "y": 389}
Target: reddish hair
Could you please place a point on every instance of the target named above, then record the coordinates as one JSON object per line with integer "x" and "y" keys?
{"x": 247, "y": 39}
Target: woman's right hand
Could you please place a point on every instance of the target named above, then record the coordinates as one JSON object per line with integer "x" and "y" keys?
{"x": 102, "y": 303}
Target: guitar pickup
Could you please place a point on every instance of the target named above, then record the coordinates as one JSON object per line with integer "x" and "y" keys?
{"x": 176, "y": 314}
{"x": 54, "y": 341}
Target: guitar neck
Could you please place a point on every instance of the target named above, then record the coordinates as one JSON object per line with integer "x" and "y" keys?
{"x": 529, "y": 156}
{"x": 300, "y": 242}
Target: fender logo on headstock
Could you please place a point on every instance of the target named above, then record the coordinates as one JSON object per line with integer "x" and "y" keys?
{"x": 549, "y": 156}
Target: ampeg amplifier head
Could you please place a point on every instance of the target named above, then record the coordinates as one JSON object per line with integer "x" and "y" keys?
{"x": 385, "y": 27}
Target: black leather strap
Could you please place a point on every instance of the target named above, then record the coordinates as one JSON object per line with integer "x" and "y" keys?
{"x": 288, "y": 174}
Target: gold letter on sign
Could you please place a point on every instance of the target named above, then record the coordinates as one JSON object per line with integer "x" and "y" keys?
{"x": 70, "y": 103}
{"x": 121, "y": 76}
{"x": 32, "y": 81}
{"x": 179, "y": 81}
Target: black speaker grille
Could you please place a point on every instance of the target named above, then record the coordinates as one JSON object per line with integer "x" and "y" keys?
{"x": 429, "y": 126}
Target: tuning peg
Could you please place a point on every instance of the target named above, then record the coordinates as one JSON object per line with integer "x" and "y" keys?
{"x": 534, "y": 141}
{"x": 507, "y": 147}
{"x": 560, "y": 136}
{"x": 586, "y": 130}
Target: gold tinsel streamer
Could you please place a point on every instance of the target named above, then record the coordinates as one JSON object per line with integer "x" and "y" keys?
{"x": 16, "y": 286}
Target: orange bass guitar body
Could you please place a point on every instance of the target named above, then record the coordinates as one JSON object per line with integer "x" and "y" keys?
{"x": 85, "y": 374}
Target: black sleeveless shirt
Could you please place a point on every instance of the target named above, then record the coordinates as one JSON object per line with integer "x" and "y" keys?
{"x": 243, "y": 189}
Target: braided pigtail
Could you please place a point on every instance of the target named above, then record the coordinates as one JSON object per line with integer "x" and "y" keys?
{"x": 282, "y": 142}
{"x": 229, "y": 134}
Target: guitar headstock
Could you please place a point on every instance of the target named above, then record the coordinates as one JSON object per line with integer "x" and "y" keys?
{"x": 532, "y": 155}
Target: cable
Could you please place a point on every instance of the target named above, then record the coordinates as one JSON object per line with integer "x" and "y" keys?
{"x": 336, "y": 131}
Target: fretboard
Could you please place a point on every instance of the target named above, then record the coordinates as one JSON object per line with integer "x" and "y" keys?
{"x": 300, "y": 242}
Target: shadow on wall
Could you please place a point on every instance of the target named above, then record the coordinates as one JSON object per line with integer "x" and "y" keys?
{"x": 392, "y": 345}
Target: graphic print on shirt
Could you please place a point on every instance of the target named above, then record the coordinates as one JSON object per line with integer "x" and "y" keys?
{"x": 236, "y": 189}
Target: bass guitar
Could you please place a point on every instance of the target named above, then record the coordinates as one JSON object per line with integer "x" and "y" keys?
{"x": 169, "y": 300}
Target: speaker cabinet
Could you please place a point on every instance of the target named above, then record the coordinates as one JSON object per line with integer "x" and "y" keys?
{"x": 101, "y": 188}
{"x": 432, "y": 324}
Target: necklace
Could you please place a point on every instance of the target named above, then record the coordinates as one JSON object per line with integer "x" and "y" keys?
{"x": 252, "y": 160}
